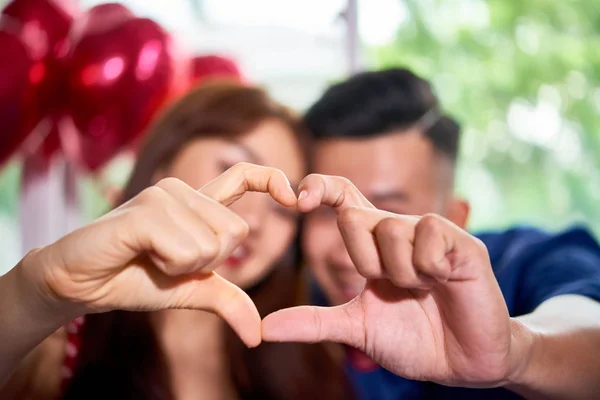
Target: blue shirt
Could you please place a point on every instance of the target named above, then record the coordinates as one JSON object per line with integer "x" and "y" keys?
{"x": 531, "y": 267}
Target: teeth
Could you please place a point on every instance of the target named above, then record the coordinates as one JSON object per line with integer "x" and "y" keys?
{"x": 239, "y": 252}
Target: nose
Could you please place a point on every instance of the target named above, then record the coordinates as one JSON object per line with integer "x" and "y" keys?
{"x": 252, "y": 208}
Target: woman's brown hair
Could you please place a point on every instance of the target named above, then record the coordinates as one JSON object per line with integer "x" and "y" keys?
{"x": 120, "y": 355}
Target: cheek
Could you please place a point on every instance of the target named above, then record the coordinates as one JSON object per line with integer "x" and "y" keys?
{"x": 431, "y": 203}
{"x": 316, "y": 240}
{"x": 276, "y": 238}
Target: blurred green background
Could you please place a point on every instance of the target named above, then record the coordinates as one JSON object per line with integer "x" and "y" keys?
{"x": 522, "y": 76}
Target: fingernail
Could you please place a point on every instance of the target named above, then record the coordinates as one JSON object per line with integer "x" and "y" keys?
{"x": 428, "y": 281}
{"x": 302, "y": 195}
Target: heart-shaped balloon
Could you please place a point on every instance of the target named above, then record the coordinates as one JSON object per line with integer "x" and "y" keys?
{"x": 100, "y": 18}
{"x": 52, "y": 141}
{"x": 18, "y": 86}
{"x": 118, "y": 77}
{"x": 43, "y": 26}
{"x": 214, "y": 66}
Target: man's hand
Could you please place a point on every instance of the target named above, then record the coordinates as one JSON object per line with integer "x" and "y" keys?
{"x": 431, "y": 309}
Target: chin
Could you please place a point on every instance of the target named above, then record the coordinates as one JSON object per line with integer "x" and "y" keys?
{"x": 243, "y": 282}
{"x": 232, "y": 277}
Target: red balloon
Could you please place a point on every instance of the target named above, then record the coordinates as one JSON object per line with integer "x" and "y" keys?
{"x": 51, "y": 143}
{"x": 101, "y": 18}
{"x": 118, "y": 78}
{"x": 214, "y": 66}
{"x": 17, "y": 92}
{"x": 43, "y": 26}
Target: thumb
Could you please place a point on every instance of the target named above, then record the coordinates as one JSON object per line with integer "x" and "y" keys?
{"x": 341, "y": 324}
{"x": 215, "y": 294}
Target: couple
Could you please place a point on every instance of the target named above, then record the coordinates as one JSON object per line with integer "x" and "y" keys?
{"x": 441, "y": 310}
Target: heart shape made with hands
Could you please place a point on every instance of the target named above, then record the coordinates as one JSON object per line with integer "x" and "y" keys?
{"x": 431, "y": 308}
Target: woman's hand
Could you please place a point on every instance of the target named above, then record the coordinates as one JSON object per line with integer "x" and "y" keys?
{"x": 158, "y": 251}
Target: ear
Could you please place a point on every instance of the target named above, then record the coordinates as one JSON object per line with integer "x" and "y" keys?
{"x": 458, "y": 212}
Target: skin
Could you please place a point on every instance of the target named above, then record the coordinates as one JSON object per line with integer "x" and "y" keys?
{"x": 415, "y": 183}
{"x": 157, "y": 252}
{"x": 415, "y": 291}
{"x": 272, "y": 226}
{"x": 422, "y": 269}
{"x": 184, "y": 334}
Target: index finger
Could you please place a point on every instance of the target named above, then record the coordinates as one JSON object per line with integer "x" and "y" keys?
{"x": 334, "y": 191}
{"x": 245, "y": 177}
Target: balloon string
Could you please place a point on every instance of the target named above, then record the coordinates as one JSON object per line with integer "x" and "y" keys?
{"x": 34, "y": 142}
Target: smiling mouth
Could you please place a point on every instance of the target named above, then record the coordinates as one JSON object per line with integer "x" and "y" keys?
{"x": 238, "y": 256}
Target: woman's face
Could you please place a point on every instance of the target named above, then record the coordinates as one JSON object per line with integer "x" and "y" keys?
{"x": 272, "y": 226}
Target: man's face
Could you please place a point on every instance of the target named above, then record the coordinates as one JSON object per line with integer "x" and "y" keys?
{"x": 399, "y": 172}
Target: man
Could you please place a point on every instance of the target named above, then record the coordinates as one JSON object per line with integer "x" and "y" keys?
{"x": 452, "y": 316}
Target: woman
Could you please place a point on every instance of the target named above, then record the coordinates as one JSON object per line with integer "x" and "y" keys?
{"x": 190, "y": 354}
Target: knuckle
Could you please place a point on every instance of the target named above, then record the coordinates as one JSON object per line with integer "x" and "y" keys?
{"x": 350, "y": 217}
{"x": 346, "y": 183}
{"x": 199, "y": 255}
{"x": 392, "y": 228}
{"x": 188, "y": 255}
{"x": 168, "y": 182}
{"x": 239, "y": 229}
{"x": 312, "y": 178}
{"x": 151, "y": 195}
{"x": 208, "y": 251}
{"x": 241, "y": 167}
{"x": 278, "y": 173}
{"x": 342, "y": 182}
{"x": 431, "y": 223}
{"x": 479, "y": 247}
{"x": 235, "y": 230}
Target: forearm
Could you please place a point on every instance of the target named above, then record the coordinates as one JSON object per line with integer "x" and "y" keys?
{"x": 27, "y": 317}
{"x": 562, "y": 362}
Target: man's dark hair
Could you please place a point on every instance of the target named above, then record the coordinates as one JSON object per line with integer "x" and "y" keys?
{"x": 374, "y": 103}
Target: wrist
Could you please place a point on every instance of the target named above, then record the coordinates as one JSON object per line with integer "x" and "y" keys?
{"x": 525, "y": 348}
{"x": 28, "y": 315}
{"x": 31, "y": 277}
